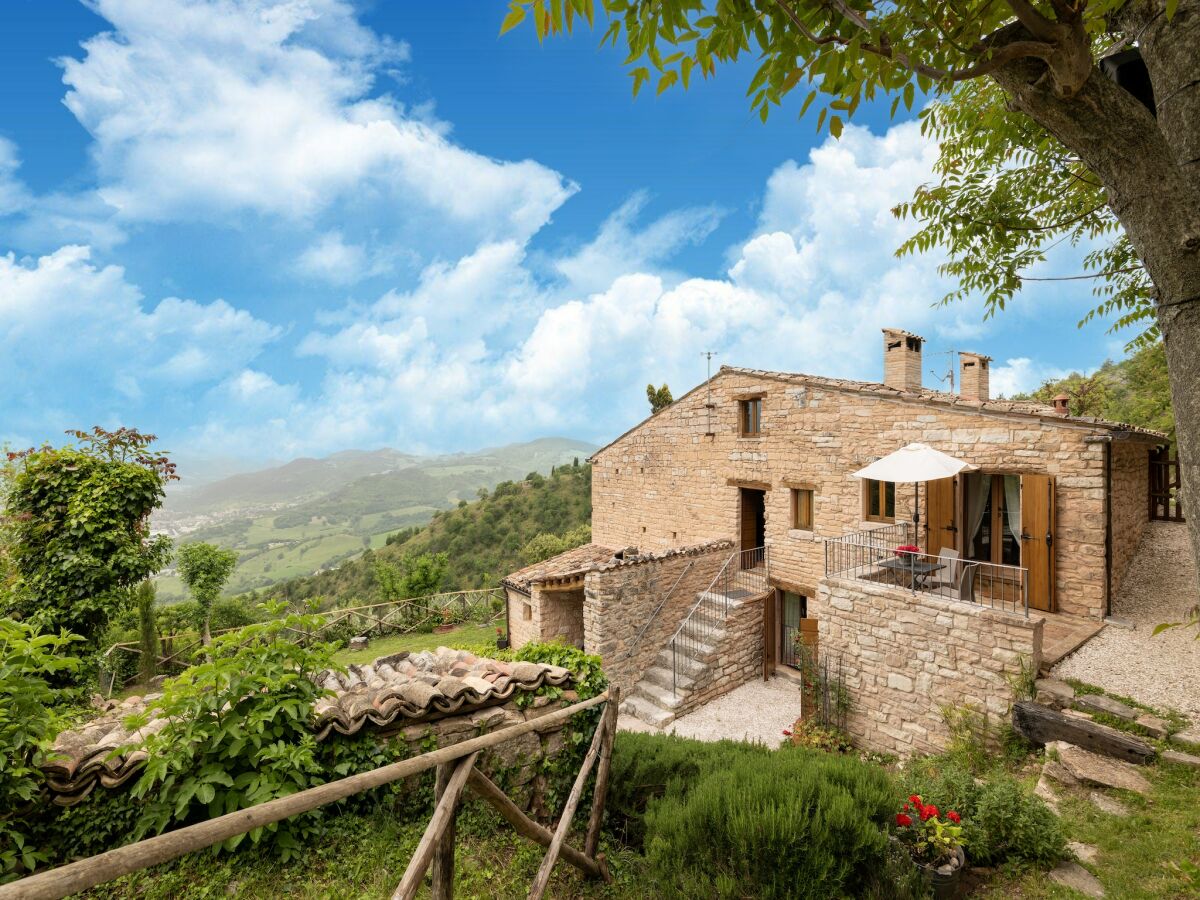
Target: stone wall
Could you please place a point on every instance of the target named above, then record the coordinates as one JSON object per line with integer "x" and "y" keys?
{"x": 620, "y": 598}
{"x": 736, "y": 659}
{"x": 1130, "y": 510}
{"x": 905, "y": 656}
{"x": 517, "y": 765}
{"x": 524, "y": 622}
{"x": 674, "y": 479}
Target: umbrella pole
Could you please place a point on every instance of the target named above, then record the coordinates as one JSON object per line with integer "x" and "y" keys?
{"x": 917, "y": 512}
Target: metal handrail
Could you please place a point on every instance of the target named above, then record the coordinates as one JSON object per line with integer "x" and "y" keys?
{"x": 878, "y": 561}
{"x": 637, "y": 640}
{"x": 735, "y": 574}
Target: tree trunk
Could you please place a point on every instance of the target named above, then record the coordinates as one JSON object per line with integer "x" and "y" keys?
{"x": 1150, "y": 167}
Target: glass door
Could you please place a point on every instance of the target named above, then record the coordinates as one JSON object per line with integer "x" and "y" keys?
{"x": 794, "y": 609}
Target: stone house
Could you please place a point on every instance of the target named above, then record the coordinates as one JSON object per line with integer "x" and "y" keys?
{"x": 749, "y": 476}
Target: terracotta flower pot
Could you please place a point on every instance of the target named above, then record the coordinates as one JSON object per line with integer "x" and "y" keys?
{"x": 945, "y": 878}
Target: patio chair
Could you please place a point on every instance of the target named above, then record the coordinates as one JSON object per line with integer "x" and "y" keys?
{"x": 965, "y": 589}
{"x": 947, "y": 578}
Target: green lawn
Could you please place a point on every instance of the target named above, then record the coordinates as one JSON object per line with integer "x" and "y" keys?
{"x": 463, "y": 636}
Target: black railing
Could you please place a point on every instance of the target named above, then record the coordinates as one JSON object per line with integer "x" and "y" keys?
{"x": 885, "y": 556}
{"x": 745, "y": 574}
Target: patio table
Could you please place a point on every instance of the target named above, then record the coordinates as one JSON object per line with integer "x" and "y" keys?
{"x": 917, "y": 570}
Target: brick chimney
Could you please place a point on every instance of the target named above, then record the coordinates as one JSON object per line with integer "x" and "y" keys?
{"x": 1062, "y": 405}
{"x": 973, "y": 375}
{"x": 902, "y": 359}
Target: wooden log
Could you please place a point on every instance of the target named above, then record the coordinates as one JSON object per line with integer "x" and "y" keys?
{"x": 600, "y": 794}
{"x": 435, "y": 831}
{"x": 54, "y": 884}
{"x": 443, "y": 853}
{"x": 526, "y": 827}
{"x": 564, "y": 823}
{"x": 1041, "y": 725}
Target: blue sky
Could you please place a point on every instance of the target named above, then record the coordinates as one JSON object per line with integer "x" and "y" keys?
{"x": 268, "y": 229}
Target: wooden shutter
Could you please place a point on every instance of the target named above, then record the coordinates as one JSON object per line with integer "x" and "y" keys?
{"x": 1037, "y": 538}
{"x": 941, "y": 515}
{"x": 770, "y": 633}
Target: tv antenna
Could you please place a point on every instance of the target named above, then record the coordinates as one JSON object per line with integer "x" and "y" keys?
{"x": 949, "y": 376}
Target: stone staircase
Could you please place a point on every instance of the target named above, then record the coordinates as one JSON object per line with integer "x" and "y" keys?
{"x": 666, "y": 685}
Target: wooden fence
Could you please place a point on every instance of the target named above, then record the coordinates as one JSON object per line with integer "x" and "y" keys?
{"x": 394, "y": 617}
{"x": 455, "y": 770}
{"x": 1166, "y": 501}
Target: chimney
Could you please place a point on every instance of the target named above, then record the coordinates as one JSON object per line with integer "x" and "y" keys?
{"x": 973, "y": 375}
{"x": 902, "y": 359}
{"x": 1062, "y": 405}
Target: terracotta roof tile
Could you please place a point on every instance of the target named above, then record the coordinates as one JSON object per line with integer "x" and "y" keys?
{"x": 573, "y": 562}
{"x": 391, "y": 692}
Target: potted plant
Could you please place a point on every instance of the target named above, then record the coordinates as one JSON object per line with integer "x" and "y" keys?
{"x": 935, "y": 844}
{"x": 501, "y": 639}
{"x": 447, "y": 621}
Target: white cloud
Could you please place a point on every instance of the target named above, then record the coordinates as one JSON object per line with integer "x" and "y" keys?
{"x": 1021, "y": 375}
{"x": 331, "y": 259}
{"x": 207, "y": 108}
{"x": 13, "y": 194}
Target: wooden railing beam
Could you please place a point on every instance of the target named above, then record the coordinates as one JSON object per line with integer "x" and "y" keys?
{"x": 439, "y": 827}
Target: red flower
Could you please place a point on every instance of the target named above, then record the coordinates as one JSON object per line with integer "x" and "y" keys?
{"x": 902, "y": 820}
{"x": 906, "y": 807}
{"x": 929, "y": 812}
{"x": 786, "y": 733}
{"x": 954, "y": 817}
{"x": 907, "y": 548}
{"x": 915, "y": 800}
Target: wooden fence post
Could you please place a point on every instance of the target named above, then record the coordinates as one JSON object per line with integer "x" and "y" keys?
{"x": 435, "y": 831}
{"x": 443, "y": 853}
{"x": 608, "y": 722}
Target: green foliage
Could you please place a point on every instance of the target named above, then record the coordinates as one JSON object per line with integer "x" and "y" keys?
{"x": 815, "y": 736}
{"x": 660, "y": 398}
{"x": 545, "y": 546}
{"x": 27, "y": 658}
{"x": 792, "y": 823}
{"x": 78, "y": 531}
{"x": 237, "y": 732}
{"x": 204, "y": 569}
{"x": 1002, "y": 819}
{"x": 418, "y": 575}
{"x": 483, "y": 540}
{"x": 148, "y": 645}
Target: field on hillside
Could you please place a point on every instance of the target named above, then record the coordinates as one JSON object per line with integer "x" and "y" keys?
{"x": 316, "y": 534}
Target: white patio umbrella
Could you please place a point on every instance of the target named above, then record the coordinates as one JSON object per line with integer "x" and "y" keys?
{"x": 914, "y": 463}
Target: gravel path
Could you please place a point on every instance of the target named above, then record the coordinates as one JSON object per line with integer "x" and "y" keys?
{"x": 1160, "y": 586}
{"x": 757, "y": 711}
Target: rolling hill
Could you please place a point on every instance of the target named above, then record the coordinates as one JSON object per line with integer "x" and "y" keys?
{"x": 311, "y": 514}
{"x": 483, "y": 539}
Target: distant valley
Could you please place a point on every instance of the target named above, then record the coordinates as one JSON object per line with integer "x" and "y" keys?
{"x": 309, "y": 515}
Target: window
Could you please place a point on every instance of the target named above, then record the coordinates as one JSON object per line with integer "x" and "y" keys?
{"x": 750, "y": 417}
{"x": 879, "y": 501}
{"x": 802, "y": 509}
{"x": 526, "y": 611}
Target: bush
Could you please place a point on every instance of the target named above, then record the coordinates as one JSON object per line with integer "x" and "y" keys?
{"x": 1002, "y": 820}
{"x": 237, "y": 733}
{"x": 793, "y": 823}
{"x": 27, "y": 658}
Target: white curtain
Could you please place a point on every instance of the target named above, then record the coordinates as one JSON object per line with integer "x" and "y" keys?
{"x": 979, "y": 487}
{"x": 1012, "y": 503}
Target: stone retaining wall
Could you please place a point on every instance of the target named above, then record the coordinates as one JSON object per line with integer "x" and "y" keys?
{"x": 737, "y": 658}
{"x": 620, "y": 598}
{"x": 1130, "y": 510}
{"x": 905, "y": 656}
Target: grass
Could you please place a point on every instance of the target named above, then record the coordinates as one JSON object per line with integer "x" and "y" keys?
{"x": 1135, "y": 853}
{"x": 1174, "y": 720}
{"x": 464, "y": 635}
{"x": 362, "y": 857}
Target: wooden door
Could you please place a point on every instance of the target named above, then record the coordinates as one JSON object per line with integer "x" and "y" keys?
{"x": 1037, "y": 539}
{"x": 941, "y": 515}
{"x": 770, "y": 605}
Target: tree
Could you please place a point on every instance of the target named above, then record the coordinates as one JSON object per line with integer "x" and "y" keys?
{"x": 204, "y": 569}
{"x": 1019, "y": 82}
{"x": 660, "y": 398}
{"x": 144, "y": 595}
{"x": 77, "y": 528}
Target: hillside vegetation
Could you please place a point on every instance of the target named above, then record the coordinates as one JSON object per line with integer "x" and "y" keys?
{"x": 326, "y": 511}
{"x": 484, "y": 540}
{"x": 1134, "y": 390}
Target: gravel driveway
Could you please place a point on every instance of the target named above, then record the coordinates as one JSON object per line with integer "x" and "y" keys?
{"x": 757, "y": 711}
{"x": 1159, "y": 586}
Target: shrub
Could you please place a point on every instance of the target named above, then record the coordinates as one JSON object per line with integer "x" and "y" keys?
{"x": 27, "y": 658}
{"x": 1002, "y": 819}
{"x": 237, "y": 732}
{"x": 793, "y": 823}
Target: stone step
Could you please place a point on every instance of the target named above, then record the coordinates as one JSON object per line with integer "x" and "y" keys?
{"x": 647, "y": 712}
{"x": 661, "y": 675}
{"x": 703, "y": 631}
{"x": 686, "y": 664}
{"x": 662, "y": 697}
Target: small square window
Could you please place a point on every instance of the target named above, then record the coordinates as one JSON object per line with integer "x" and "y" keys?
{"x": 750, "y": 417}
{"x": 879, "y": 501}
{"x": 526, "y": 611}
{"x": 802, "y": 509}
